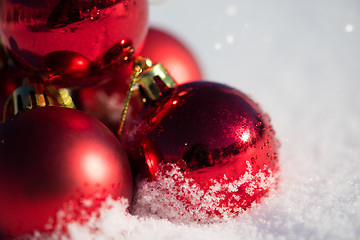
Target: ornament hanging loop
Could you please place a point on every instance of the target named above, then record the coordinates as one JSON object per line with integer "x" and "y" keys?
{"x": 151, "y": 78}
{"x": 140, "y": 64}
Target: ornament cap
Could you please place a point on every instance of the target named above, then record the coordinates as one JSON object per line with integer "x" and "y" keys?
{"x": 31, "y": 96}
{"x": 153, "y": 81}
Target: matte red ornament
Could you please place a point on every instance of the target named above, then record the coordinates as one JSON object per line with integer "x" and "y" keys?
{"x": 221, "y": 141}
{"x": 56, "y": 158}
{"x": 177, "y": 58}
{"x": 90, "y": 29}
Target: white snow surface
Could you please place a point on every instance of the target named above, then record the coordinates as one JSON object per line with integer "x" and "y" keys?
{"x": 301, "y": 61}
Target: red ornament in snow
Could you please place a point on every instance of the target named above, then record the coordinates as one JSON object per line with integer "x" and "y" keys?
{"x": 55, "y": 158}
{"x": 218, "y": 139}
{"x": 161, "y": 46}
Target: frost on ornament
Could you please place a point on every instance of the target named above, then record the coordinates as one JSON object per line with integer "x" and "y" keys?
{"x": 178, "y": 197}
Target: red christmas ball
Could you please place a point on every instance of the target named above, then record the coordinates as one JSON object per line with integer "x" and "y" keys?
{"x": 53, "y": 159}
{"x": 69, "y": 69}
{"x": 90, "y": 29}
{"x": 212, "y": 139}
{"x": 161, "y": 46}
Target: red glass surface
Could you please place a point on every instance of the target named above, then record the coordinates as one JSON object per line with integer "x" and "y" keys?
{"x": 210, "y": 131}
{"x": 56, "y": 158}
{"x": 68, "y": 64}
{"x": 33, "y": 29}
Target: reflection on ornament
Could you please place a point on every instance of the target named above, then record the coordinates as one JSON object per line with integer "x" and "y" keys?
{"x": 54, "y": 34}
{"x": 69, "y": 65}
{"x": 32, "y": 30}
{"x": 219, "y": 140}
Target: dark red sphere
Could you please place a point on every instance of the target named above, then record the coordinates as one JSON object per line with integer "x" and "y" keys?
{"x": 177, "y": 58}
{"x": 220, "y": 139}
{"x": 53, "y": 159}
{"x": 32, "y": 30}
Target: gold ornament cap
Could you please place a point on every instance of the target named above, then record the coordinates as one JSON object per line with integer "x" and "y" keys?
{"x": 32, "y": 96}
{"x": 151, "y": 79}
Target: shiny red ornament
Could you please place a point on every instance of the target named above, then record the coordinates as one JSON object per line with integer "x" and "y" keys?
{"x": 221, "y": 141}
{"x": 68, "y": 69}
{"x": 177, "y": 58}
{"x": 56, "y": 158}
{"x": 90, "y": 29}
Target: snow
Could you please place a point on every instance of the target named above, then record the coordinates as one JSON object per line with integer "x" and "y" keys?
{"x": 182, "y": 198}
{"x": 301, "y": 61}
